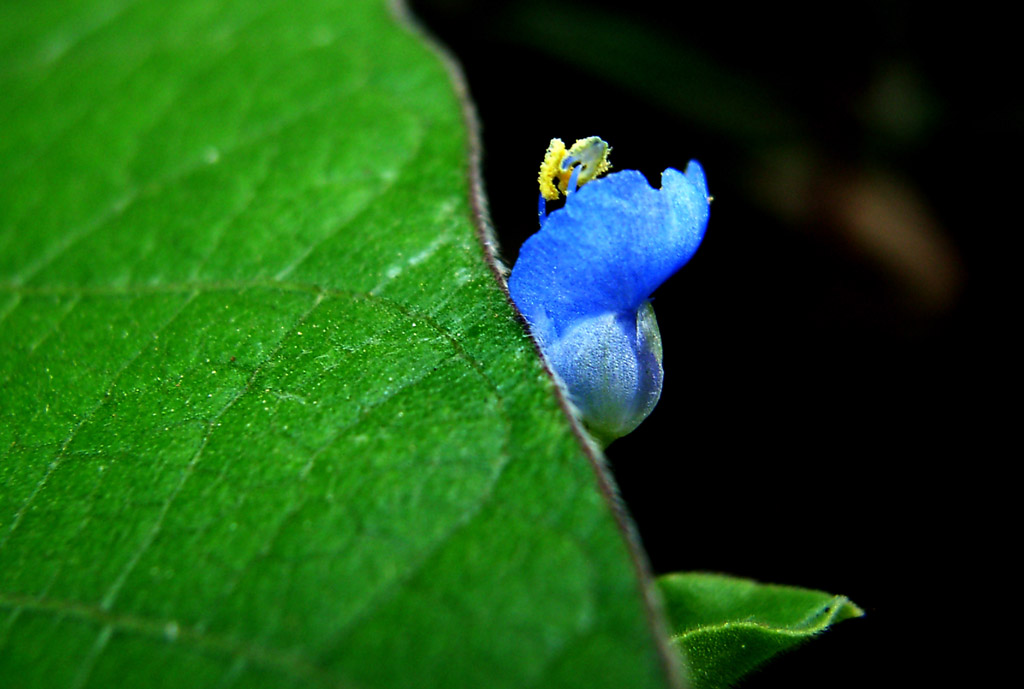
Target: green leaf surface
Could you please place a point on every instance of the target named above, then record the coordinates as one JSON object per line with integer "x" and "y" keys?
{"x": 726, "y": 627}
{"x": 267, "y": 418}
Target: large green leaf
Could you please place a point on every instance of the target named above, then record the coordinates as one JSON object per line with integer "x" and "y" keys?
{"x": 267, "y": 418}
{"x": 727, "y": 627}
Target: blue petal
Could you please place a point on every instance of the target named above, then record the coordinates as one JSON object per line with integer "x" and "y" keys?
{"x": 615, "y": 241}
{"x": 611, "y": 364}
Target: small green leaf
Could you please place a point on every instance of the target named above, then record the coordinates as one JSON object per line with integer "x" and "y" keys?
{"x": 726, "y": 627}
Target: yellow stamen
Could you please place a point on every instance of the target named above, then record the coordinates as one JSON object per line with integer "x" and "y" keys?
{"x": 550, "y": 169}
{"x": 590, "y": 153}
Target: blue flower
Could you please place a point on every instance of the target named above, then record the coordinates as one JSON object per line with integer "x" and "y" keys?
{"x": 584, "y": 281}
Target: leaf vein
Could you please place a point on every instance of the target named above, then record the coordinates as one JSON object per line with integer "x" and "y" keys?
{"x": 55, "y": 464}
{"x": 110, "y": 597}
{"x": 287, "y": 662}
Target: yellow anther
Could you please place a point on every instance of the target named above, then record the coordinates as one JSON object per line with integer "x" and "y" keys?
{"x": 551, "y": 169}
{"x": 591, "y": 154}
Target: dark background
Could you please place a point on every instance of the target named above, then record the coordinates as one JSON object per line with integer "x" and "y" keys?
{"x": 829, "y": 350}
